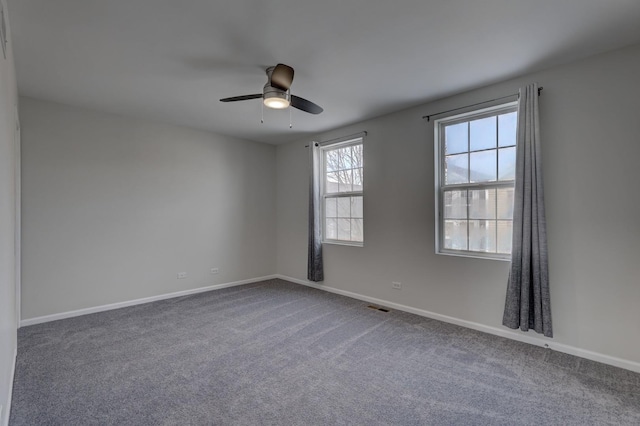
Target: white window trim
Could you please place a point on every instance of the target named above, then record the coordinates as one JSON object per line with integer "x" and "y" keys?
{"x": 327, "y": 147}
{"x": 439, "y": 179}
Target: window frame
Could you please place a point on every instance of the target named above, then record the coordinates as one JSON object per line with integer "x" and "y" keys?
{"x": 440, "y": 187}
{"x": 323, "y": 194}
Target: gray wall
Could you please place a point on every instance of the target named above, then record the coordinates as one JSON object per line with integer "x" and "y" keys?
{"x": 8, "y": 199}
{"x": 114, "y": 208}
{"x": 591, "y": 152}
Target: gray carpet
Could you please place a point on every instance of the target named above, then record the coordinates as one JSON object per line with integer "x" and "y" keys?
{"x": 280, "y": 353}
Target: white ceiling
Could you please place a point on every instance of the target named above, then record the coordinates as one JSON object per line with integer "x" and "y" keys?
{"x": 172, "y": 61}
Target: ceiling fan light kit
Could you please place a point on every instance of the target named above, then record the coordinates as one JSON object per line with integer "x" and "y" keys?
{"x": 276, "y": 99}
{"x": 276, "y": 93}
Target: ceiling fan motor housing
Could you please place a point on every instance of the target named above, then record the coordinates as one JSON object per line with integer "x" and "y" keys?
{"x": 270, "y": 92}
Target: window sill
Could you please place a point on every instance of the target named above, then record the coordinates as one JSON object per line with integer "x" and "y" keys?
{"x": 502, "y": 258}
{"x": 343, "y": 243}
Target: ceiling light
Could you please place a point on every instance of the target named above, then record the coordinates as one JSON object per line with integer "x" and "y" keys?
{"x": 276, "y": 100}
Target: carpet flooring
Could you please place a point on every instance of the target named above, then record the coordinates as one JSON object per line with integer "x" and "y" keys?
{"x": 277, "y": 353}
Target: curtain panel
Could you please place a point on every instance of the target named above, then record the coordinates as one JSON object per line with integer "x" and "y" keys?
{"x": 315, "y": 267}
{"x": 528, "y": 304}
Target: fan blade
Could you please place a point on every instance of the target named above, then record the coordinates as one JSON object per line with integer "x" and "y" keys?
{"x": 242, "y": 98}
{"x": 305, "y": 105}
{"x": 282, "y": 77}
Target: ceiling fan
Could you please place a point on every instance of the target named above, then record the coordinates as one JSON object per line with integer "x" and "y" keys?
{"x": 277, "y": 92}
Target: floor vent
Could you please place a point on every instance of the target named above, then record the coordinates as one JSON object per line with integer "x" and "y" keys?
{"x": 377, "y": 308}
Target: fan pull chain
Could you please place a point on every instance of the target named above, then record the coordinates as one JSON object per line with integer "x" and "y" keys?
{"x": 261, "y": 112}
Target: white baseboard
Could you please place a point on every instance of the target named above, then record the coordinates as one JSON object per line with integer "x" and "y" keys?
{"x": 6, "y": 410}
{"x": 507, "y": 333}
{"x": 85, "y": 311}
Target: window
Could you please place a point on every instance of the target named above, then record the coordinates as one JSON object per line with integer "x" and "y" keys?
{"x": 475, "y": 172}
{"x": 342, "y": 192}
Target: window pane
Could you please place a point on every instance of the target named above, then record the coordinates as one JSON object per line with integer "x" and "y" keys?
{"x": 356, "y": 230}
{"x": 483, "y": 133}
{"x": 505, "y": 203}
{"x": 507, "y": 125}
{"x": 331, "y": 229}
{"x": 482, "y": 236}
{"x": 331, "y": 159}
{"x": 331, "y": 184}
{"x": 456, "y": 138}
{"x": 455, "y": 204}
{"x": 356, "y": 207}
{"x": 357, "y": 179}
{"x": 507, "y": 163}
{"x": 344, "y": 207}
{"x": 482, "y": 204}
{"x": 346, "y": 158}
{"x": 358, "y": 161}
{"x": 456, "y": 169}
{"x": 330, "y": 207}
{"x": 483, "y": 166}
{"x": 505, "y": 229}
{"x": 455, "y": 234}
{"x": 346, "y": 178}
{"x": 344, "y": 229}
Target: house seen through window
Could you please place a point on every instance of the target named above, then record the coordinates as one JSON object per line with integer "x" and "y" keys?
{"x": 342, "y": 193}
{"x": 475, "y": 163}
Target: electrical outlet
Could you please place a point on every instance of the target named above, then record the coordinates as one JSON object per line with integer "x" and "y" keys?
{"x": 396, "y": 285}
{"x": 215, "y": 271}
{"x": 182, "y": 275}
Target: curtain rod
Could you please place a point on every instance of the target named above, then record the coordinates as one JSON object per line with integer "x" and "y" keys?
{"x": 428, "y": 117}
{"x": 341, "y": 138}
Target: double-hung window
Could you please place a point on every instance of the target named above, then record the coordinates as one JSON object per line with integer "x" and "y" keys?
{"x": 342, "y": 194}
{"x": 475, "y": 172}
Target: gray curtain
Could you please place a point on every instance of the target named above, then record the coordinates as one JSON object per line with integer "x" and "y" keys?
{"x": 315, "y": 268}
{"x": 528, "y": 303}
